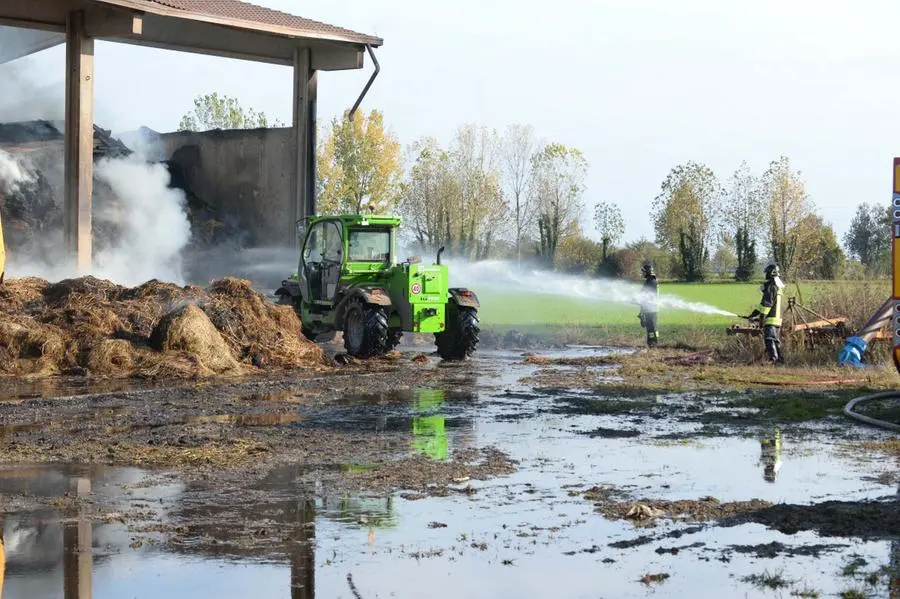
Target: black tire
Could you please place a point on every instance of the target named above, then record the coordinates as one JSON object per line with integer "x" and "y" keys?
{"x": 460, "y": 339}
{"x": 365, "y": 329}
{"x": 393, "y": 339}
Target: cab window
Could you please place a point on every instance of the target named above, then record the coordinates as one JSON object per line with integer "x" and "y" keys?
{"x": 334, "y": 244}
{"x": 368, "y": 244}
{"x": 315, "y": 244}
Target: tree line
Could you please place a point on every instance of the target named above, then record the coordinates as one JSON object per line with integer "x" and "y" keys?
{"x": 511, "y": 195}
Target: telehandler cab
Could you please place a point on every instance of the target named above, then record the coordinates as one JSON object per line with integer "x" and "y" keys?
{"x": 348, "y": 280}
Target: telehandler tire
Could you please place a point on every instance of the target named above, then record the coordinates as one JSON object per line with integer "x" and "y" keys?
{"x": 460, "y": 339}
{"x": 365, "y": 329}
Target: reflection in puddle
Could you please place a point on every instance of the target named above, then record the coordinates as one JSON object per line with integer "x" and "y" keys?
{"x": 770, "y": 458}
{"x": 429, "y": 434}
{"x": 293, "y": 547}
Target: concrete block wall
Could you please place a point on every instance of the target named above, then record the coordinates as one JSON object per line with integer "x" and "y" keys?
{"x": 244, "y": 174}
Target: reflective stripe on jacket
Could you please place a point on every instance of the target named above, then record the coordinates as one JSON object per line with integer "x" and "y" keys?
{"x": 770, "y": 307}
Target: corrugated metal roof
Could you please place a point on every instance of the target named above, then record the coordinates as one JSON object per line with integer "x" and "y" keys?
{"x": 245, "y": 11}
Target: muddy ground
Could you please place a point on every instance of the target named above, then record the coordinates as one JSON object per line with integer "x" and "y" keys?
{"x": 563, "y": 471}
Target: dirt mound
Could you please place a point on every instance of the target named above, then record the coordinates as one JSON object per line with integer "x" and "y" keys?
{"x": 89, "y": 326}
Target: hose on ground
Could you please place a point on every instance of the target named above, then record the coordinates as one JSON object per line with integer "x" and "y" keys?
{"x": 848, "y": 410}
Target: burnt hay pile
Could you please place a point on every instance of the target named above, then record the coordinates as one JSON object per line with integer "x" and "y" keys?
{"x": 93, "y": 327}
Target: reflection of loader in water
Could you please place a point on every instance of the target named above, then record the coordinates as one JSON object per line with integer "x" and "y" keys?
{"x": 429, "y": 432}
{"x": 770, "y": 456}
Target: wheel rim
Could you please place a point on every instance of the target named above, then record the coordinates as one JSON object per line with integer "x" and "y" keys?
{"x": 355, "y": 328}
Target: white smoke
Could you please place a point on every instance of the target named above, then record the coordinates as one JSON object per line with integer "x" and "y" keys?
{"x": 12, "y": 173}
{"x": 24, "y": 97}
{"x": 500, "y": 275}
{"x": 152, "y": 219}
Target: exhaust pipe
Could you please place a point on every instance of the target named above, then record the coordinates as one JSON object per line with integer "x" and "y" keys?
{"x": 440, "y": 251}
{"x": 368, "y": 84}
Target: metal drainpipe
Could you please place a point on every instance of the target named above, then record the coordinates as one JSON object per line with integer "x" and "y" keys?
{"x": 368, "y": 84}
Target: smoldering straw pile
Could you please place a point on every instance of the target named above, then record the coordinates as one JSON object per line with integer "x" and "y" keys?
{"x": 92, "y": 327}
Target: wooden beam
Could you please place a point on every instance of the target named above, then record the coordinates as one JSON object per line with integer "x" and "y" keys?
{"x": 267, "y": 29}
{"x": 300, "y": 178}
{"x": 32, "y": 24}
{"x": 79, "y": 141}
{"x": 337, "y": 58}
{"x": 34, "y": 14}
{"x": 106, "y": 22}
{"x": 202, "y": 38}
{"x": 16, "y": 43}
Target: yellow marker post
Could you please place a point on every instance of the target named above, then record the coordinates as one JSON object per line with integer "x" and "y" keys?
{"x": 895, "y": 261}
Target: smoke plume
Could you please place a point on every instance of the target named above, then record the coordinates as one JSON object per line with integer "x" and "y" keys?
{"x": 12, "y": 173}
{"x": 152, "y": 223}
{"x": 140, "y": 225}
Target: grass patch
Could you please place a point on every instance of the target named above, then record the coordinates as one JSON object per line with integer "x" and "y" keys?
{"x": 798, "y": 407}
{"x": 853, "y": 594}
{"x": 768, "y": 580}
{"x": 806, "y": 593}
{"x": 853, "y": 568}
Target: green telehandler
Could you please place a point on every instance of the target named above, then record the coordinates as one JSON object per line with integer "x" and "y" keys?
{"x": 348, "y": 279}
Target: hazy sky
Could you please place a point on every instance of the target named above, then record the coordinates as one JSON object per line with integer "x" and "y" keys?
{"x": 637, "y": 85}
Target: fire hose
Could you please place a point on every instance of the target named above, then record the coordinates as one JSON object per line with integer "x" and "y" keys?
{"x": 848, "y": 410}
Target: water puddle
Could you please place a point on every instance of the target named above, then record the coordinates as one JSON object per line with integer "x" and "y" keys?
{"x": 106, "y": 533}
{"x": 511, "y": 542}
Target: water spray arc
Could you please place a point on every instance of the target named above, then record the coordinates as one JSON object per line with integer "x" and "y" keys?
{"x": 501, "y": 275}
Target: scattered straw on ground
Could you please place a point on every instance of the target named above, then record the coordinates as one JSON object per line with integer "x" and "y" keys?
{"x": 92, "y": 327}
{"x": 222, "y": 454}
{"x": 429, "y": 477}
{"x": 680, "y": 370}
{"x": 612, "y": 505}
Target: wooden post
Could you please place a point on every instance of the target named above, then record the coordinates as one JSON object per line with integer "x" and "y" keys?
{"x": 79, "y": 142}
{"x": 301, "y": 180}
{"x": 312, "y": 93}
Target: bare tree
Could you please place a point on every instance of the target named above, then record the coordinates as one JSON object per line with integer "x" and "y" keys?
{"x": 686, "y": 213}
{"x": 478, "y": 219}
{"x": 428, "y": 194}
{"x": 518, "y": 150}
{"x": 454, "y": 197}
{"x": 557, "y": 187}
{"x": 744, "y": 219}
{"x": 610, "y": 224}
{"x": 788, "y": 210}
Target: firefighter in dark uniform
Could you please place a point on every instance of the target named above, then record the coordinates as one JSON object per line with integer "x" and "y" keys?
{"x": 769, "y": 313}
{"x": 649, "y": 297}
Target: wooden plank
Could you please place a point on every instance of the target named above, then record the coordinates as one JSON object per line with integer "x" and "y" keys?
{"x": 818, "y": 324}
